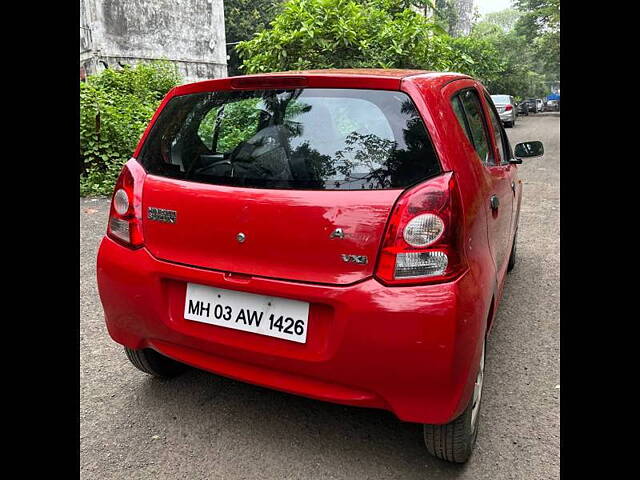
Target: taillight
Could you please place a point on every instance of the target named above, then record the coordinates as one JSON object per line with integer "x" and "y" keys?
{"x": 423, "y": 240}
{"x": 508, "y": 107}
{"x": 125, "y": 216}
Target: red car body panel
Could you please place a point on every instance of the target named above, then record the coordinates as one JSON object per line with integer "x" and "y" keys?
{"x": 211, "y": 216}
{"x": 413, "y": 350}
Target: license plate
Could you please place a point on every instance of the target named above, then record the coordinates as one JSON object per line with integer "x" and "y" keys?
{"x": 260, "y": 314}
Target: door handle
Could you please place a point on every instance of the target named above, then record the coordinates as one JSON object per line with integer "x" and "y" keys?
{"x": 494, "y": 202}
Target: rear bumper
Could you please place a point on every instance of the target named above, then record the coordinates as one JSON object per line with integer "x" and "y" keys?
{"x": 410, "y": 350}
{"x": 507, "y": 116}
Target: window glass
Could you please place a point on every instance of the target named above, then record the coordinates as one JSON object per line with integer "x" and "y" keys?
{"x": 295, "y": 138}
{"x": 498, "y": 133}
{"x": 501, "y": 98}
{"x": 475, "y": 121}
{"x": 236, "y": 123}
{"x": 459, "y": 111}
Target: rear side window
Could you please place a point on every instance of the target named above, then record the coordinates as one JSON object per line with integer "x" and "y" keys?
{"x": 467, "y": 107}
{"x": 498, "y": 133}
{"x": 336, "y": 139}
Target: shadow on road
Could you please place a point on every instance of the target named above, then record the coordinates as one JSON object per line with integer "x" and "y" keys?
{"x": 359, "y": 438}
{"x": 349, "y": 442}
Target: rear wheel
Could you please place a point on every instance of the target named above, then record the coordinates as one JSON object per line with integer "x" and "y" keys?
{"x": 454, "y": 441}
{"x": 151, "y": 362}
{"x": 509, "y": 124}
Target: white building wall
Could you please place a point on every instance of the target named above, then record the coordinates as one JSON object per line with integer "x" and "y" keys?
{"x": 189, "y": 33}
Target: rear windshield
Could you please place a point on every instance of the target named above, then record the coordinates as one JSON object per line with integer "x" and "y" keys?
{"x": 295, "y": 139}
{"x": 501, "y": 98}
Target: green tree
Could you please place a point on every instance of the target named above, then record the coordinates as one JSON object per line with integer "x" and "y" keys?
{"x": 505, "y": 19}
{"x": 538, "y": 17}
{"x": 447, "y": 15}
{"x": 350, "y": 34}
{"x": 527, "y": 65}
{"x": 513, "y": 51}
{"x": 540, "y": 24}
{"x": 243, "y": 19}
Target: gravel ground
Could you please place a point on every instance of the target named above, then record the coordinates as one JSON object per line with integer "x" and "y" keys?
{"x": 202, "y": 426}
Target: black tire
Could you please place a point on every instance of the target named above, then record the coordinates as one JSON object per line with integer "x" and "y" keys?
{"x": 512, "y": 257}
{"x": 151, "y": 362}
{"x": 454, "y": 441}
{"x": 509, "y": 124}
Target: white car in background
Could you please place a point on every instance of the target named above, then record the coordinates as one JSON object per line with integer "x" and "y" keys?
{"x": 506, "y": 106}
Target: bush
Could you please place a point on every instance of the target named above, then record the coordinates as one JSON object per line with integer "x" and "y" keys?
{"x": 115, "y": 108}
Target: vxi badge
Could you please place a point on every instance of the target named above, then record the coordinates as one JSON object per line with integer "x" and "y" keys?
{"x": 359, "y": 259}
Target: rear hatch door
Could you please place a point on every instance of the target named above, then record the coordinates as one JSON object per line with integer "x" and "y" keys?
{"x": 293, "y": 184}
{"x": 284, "y": 234}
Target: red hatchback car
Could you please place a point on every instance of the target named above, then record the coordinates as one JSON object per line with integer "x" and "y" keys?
{"x": 339, "y": 234}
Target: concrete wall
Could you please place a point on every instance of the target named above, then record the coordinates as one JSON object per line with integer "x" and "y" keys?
{"x": 187, "y": 32}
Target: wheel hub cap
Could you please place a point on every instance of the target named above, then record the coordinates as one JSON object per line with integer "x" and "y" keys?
{"x": 477, "y": 393}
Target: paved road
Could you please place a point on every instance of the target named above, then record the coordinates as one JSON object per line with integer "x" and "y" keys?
{"x": 202, "y": 426}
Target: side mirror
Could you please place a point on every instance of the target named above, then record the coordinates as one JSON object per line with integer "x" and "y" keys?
{"x": 529, "y": 149}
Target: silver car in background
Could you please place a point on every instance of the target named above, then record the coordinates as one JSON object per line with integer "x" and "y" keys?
{"x": 506, "y": 106}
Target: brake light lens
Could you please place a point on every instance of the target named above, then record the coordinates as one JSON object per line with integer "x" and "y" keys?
{"x": 125, "y": 216}
{"x": 508, "y": 107}
{"x": 423, "y": 240}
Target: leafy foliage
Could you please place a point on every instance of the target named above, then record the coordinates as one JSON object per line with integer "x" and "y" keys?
{"x": 237, "y": 122}
{"x": 517, "y": 74}
{"x": 540, "y": 24}
{"x": 115, "y": 108}
{"x": 529, "y": 56}
{"x": 244, "y": 18}
{"x": 447, "y": 15}
{"x": 514, "y": 51}
{"x": 505, "y": 19}
{"x": 350, "y": 34}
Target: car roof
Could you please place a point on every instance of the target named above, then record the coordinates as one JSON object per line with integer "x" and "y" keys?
{"x": 367, "y": 72}
{"x": 382, "y": 78}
